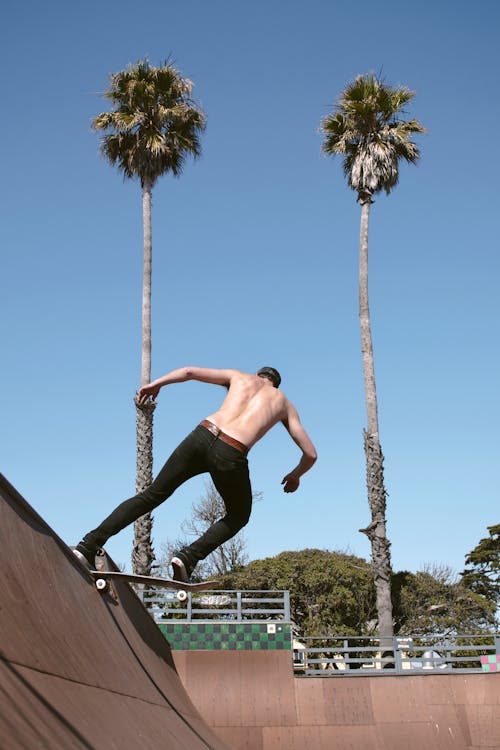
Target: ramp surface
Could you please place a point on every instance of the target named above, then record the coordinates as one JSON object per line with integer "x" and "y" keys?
{"x": 80, "y": 669}
{"x": 254, "y": 702}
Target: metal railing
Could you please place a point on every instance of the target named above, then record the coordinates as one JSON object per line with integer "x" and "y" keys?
{"x": 329, "y": 656}
{"x": 359, "y": 655}
{"x": 217, "y": 605}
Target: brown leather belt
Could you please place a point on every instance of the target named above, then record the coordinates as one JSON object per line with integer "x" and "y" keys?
{"x": 211, "y": 427}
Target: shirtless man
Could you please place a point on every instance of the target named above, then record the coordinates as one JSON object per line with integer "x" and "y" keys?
{"x": 219, "y": 445}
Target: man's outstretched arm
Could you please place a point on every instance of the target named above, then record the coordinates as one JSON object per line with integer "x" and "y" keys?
{"x": 309, "y": 455}
{"x": 204, "y": 374}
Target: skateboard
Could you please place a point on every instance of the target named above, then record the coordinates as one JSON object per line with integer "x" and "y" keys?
{"x": 103, "y": 577}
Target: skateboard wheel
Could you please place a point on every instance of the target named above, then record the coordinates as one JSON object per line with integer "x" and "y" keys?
{"x": 181, "y": 596}
{"x": 101, "y": 584}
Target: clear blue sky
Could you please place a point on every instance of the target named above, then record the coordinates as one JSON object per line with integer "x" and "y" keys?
{"x": 255, "y": 262}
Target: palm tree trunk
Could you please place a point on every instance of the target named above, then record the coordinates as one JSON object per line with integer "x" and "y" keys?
{"x": 142, "y": 553}
{"x": 376, "y": 531}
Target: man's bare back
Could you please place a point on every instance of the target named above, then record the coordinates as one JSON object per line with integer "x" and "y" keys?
{"x": 252, "y": 406}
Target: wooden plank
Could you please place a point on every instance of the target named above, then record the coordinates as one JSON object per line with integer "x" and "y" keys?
{"x": 322, "y": 738}
{"x": 484, "y": 724}
{"x": 349, "y": 702}
{"x": 241, "y": 688}
{"x": 241, "y": 738}
{"x": 399, "y": 699}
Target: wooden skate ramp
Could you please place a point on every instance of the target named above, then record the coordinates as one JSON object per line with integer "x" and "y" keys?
{"x": 254, "y": 702}
{"x": 80, "y": 669}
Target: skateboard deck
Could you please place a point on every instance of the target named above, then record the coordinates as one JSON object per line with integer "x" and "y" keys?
{"x": 103, "y": 577}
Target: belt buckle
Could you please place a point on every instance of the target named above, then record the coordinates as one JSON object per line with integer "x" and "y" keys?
{"x": 215, "y": 430}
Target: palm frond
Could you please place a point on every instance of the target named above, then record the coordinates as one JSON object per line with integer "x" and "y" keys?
{"x": 365, "y": 128}
{"x": 153, "y": 125}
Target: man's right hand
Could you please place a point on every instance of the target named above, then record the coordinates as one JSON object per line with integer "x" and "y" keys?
{"x": 146, "y": 392}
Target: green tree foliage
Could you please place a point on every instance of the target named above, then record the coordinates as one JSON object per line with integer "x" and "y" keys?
{"x": 333, "y": 593}
{"x": 435, "y": 601}
{"x": 482, "y": 572}
{"x": 329, "y": 591}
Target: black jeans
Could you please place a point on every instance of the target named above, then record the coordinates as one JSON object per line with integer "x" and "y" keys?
{"x": 200, "y": 452}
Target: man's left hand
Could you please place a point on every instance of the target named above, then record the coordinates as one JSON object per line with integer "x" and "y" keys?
{"x": 290, "y": 482}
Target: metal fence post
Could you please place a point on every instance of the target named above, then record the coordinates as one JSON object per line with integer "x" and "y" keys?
{"x": 239, "y": 614}
{"x": 286, "y": 603}
{"x": 347, "y": 655}
{"x": 397, "y": 657}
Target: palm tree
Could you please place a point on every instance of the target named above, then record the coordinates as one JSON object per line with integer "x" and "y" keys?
{"x": 153, "y": 126}
{"x": 366, "y": 131}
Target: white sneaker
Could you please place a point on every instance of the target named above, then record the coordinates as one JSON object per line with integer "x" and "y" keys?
{"x": 180, "y": 573}
{"x": 82, "y": 558}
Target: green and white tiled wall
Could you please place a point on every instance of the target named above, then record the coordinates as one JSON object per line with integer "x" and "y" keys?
{"x": 225, "y": 636}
